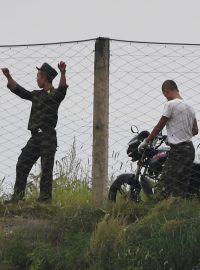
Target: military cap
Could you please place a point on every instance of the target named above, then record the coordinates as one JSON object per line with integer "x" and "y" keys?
{"x": 49, "y": 70}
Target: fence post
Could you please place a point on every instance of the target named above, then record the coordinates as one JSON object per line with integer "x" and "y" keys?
{"x": 100, "y": 121}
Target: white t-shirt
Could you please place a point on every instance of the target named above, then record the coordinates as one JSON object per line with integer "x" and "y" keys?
{"x": 181, "y": 120}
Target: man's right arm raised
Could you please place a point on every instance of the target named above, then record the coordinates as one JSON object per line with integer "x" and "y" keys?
{"x": 16, "y": 88}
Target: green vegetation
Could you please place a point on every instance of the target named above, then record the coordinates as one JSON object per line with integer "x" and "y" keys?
{"x": 167, "y": 237}
{"x": 80, "y": 236}
{"x": 72, "y": 234}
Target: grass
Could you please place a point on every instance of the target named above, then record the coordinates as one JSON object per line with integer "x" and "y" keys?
{"x": 167, "y": 237}
{"x": 73, "y": 234}
{"x": 81, "y": 236}
{"x": 56, "y": 236}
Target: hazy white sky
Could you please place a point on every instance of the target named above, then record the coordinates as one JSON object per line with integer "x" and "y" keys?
{"x": 36, "y": 21}
{"x": 43, "y": 21}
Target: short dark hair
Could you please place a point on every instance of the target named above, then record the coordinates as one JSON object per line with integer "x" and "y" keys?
{"x": 170, "y": 84}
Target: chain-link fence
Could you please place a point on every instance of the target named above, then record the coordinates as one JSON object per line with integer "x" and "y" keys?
{"x": 75, "y": 113}
{"x": 137, "y": 71}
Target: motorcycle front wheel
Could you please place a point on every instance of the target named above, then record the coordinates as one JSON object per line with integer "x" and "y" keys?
{"x": 125, "y": 186}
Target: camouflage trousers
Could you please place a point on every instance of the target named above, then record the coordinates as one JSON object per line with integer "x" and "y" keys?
{"x": 177, "y": 169}
{"x": 39, "y": 145}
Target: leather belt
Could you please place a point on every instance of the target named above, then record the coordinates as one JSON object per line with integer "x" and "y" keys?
{"x": 180, "y": 144}
{"x": 41, "y": 131}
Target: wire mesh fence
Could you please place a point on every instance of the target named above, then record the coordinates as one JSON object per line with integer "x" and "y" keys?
{"x": 137, "y": 71}
{"x": 75, "y": 113}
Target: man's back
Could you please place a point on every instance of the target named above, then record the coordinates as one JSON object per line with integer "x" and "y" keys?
{"x": 181, "y": 119}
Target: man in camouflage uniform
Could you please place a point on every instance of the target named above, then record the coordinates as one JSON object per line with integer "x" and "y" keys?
{"x": 42, "y": 123}
{"x": 181, "y": 124}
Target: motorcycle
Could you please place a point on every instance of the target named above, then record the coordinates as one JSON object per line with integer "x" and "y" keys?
{"x": 144, "y": 184}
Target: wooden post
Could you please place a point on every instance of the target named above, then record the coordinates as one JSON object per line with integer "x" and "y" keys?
{"x": 100, "y": 121}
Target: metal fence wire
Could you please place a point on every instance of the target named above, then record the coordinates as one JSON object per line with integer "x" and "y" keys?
{"x": 137, "y": 71}
{"x": 75, "y": 112}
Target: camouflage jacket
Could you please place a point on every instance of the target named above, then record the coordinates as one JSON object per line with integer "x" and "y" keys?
{"x": 45, "y": 104}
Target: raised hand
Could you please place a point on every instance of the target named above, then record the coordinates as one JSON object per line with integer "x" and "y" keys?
{"x": 6, "y": 72}
{"x": 62, "y": 67}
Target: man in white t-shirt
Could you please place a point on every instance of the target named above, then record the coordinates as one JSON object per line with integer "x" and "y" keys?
{"x": 181, "y": 124}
